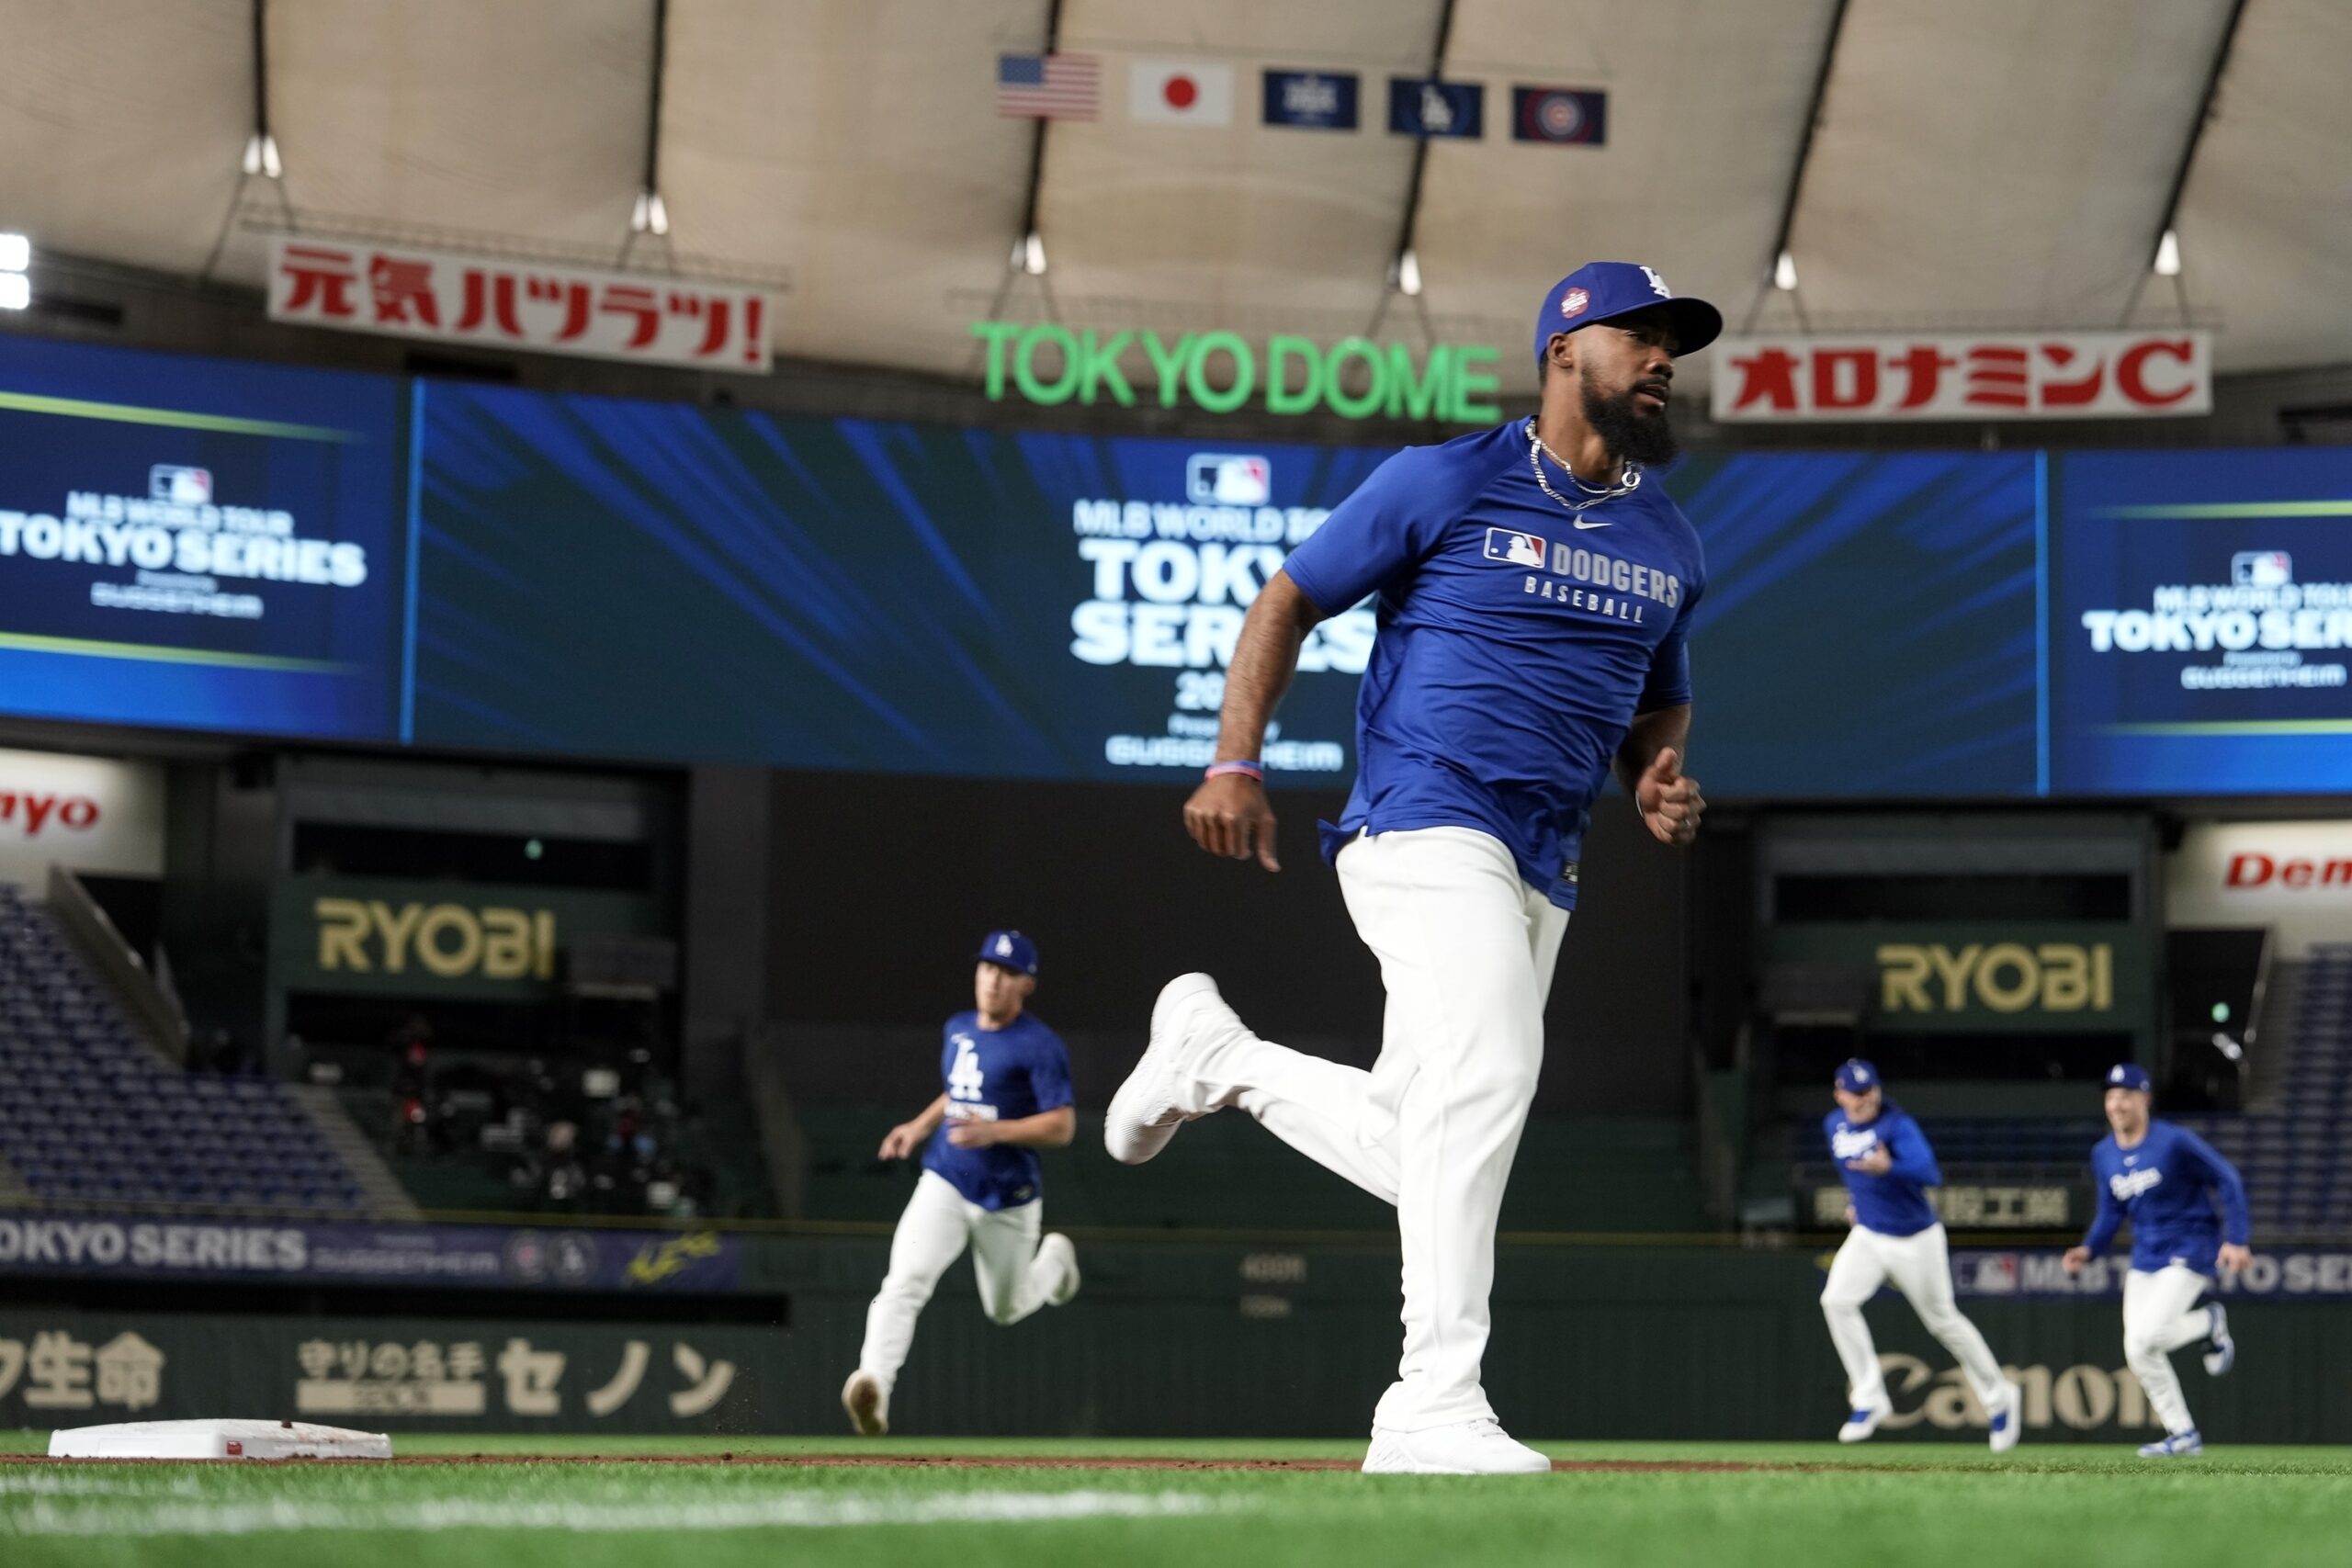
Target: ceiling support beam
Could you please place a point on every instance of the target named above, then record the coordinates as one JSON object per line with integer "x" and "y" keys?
{"x": 1028, "y": 257}
{"x": 2162, "y": 251}
{"x": 1780, "y": 265}
{"x": 1405, "y": 261}
{"x": 650, "y": 214}
{"x": 261, "y": 160}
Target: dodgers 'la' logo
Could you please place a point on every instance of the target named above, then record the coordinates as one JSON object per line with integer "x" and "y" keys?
{"x": 1658, "y": 284}
{"x": 964, "y": 1078}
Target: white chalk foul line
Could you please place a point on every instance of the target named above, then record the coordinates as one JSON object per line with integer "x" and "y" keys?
{"x": 787, "y": 1512}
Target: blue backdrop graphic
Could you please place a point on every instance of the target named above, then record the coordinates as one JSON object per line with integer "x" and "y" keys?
{"x": 2200, "y": 614}
{"x": 198, "y": 544}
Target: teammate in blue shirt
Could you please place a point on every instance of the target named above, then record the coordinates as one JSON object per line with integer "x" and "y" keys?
{"x": 1007, "y": 1097}
{"x": 1534, "y": 590}
{"x": 1888, "y": 1168}
{"x": 2166, "y": 1182}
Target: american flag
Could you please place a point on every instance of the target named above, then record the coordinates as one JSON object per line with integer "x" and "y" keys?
{"x": 1048, "y": 86}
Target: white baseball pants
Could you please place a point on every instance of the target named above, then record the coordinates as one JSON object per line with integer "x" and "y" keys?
{"x": 1465, "y": 950}
{"x": 1921, "y": 1269}
{"x": 2160, "y": 1315}
{"x": 932, "y": 1234}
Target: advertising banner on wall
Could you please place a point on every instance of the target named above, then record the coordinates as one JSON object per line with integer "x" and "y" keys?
{"x": 194, "y": 544}
{"x": 394, "y": 938}
{"x": 493, "y": 303}
{"x": 2294, "y": 877}
{"x": 94, "y": 814}
{"x": 63, "y": 1368}
{"x": 344, "y": 1253}
{"x": 1988, "y": 975}
{"x": 2200, "y": 623}
{"x": 1989, "y": 376}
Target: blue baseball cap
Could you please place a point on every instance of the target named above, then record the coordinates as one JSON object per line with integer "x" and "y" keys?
{"x": 1601, "y": 291}
{"x": 1009, "y": 950}
{"x": 1856, "y": 1075}
{"x": 2128, "y": 1075}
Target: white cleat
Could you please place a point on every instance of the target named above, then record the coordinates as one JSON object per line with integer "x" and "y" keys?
{"x": 1465, "y": 1448}
{"x": 868, "y": 1403}
{"x": 2007, "y": 1421}
{"x": 1157, "y": 1098}
{"x": 1064, "y": 1255}
{"x": 1863, "y": 1422}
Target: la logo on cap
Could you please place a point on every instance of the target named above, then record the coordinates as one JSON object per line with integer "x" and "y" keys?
{"x": 1004, "y": 945}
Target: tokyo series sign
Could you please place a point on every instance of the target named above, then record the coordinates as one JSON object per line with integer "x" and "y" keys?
{"x": 526, "y": 305}
{"x": 2014, "y": 375}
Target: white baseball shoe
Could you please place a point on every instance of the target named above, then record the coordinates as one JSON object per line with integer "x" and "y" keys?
{"x": 2221, "y": 1351}
{"x": 1064, "y": 1255}
{"x": 1863, "y": 1422}
{"x": 1465, "y": 1448}
{"x": 1160, "y": 1095}
{"x": 868, "y": 1403}
{"x": 2006, "y": 1420}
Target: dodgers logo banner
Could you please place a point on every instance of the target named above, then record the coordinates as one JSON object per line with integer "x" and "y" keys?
{"x": 1311, "y": 100}
{"x": 1420, "y": 106}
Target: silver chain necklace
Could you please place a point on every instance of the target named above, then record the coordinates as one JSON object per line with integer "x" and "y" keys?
{"x": 1629, "y": 477}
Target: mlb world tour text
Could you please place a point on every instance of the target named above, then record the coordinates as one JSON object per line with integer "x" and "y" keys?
{"x": 1222, "y": 371}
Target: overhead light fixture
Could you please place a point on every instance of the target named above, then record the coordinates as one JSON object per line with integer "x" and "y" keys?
{"x": 1029, "y": 255}
{"x": 2168, "y": 255}
{"x": 649, "y": 216}
{"x": 261, "y": 156}
{"x": 1784, "y": 272}
{"x": 16, "y": 252}
{"x": 1408, "y": 273}
{"x": 15, "y": 291}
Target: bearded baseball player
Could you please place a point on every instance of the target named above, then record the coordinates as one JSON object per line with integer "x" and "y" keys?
{"x": 1534, "y": 590}
{"x": 1888, "y": 1168}
{"x": 1007, "y": 1096}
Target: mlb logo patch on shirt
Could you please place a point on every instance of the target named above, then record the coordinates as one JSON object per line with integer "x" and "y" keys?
{"x": 1515, "y": 548}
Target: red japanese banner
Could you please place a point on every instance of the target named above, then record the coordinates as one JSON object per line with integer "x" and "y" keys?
{"x": 1988, "y": 376}
{"x": 515, "y": 304}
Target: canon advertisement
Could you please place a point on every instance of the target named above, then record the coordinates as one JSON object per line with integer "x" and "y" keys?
{"x": 2200, "y": 629}
{"x": 197, "y": 545}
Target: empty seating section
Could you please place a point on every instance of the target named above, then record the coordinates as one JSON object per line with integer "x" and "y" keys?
{"x": 90, "y": 1113}
{"x": 2294, "y": 1147}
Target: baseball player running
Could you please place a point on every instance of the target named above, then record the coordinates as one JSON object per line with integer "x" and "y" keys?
{"x": 1888, "y": 1168}
{"x": 1007, "y": 1096}
{"x": 1535, "y": 587}
{"x": 2165, "y": 1179}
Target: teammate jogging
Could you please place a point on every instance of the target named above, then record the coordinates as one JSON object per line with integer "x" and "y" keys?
{"x": 1007, "y": 1096}
{"x": 1535, "y": 587}
{"x": 1888, "y": 1167}
{"x": 2165, "y": 1179}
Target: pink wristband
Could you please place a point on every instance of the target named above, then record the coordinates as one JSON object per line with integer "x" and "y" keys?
{"x": 1219, "y": 769}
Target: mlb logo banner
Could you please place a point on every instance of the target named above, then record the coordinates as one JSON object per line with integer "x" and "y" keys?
{"x": 1311, "y": 100}
{"x": 180, "y": 486}
{"x": 1220, "y": 479}
{"x": 1563, "y": 116}
{"x": 1179, "y": 92}
{"x": 1515, "y": 548}
{"x": 2261, "y": 568}
{"x": 1419, "y": 107}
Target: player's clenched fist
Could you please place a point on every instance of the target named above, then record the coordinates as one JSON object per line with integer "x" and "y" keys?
{"x": 1670, "y": 803}
{"x": 1228, "y": 816}
{"x": 901, "y": 1141}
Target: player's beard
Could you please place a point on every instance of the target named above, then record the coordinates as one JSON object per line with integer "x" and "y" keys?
{"x": 1632, "y": 434}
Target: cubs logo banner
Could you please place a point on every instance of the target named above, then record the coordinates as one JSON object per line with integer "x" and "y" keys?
{"x": 2014, "y": 375}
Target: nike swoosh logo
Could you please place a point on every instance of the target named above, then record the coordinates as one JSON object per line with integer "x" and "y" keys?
{"x": 1582, "y": 524}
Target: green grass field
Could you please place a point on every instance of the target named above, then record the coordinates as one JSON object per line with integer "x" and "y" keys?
{"x": 1808, "y": 1506}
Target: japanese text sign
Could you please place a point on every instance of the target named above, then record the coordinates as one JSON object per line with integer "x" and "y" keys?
{"x": 1994, "y": 376}
{"x": 517, "y": 304}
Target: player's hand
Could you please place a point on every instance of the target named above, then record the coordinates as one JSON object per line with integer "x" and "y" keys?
{"x": 971, "y": 1135}
{"x": 900, "y": 1141}
{"x": 1878, "y": 1162}
{"x": 1228, "y": 816}
{"x": 2234, "y": 1258}
{"x": 1670, "y": 803}
{"x": 2076, "y": 1259}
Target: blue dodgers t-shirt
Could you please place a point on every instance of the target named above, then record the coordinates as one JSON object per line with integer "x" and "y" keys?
{"x": 2165, "y": 1185}
{"x": 1518, "y": 640}
{"x": 997, "y": 1075}
{"x": 1894, "y": 1202}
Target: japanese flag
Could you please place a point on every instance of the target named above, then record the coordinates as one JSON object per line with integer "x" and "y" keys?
{"x": 1179, "y": 92}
